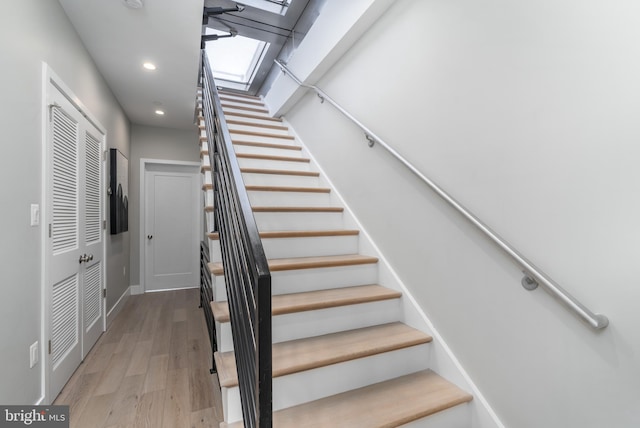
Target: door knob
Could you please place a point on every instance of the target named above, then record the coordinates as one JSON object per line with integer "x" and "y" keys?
{"x": 90, "y": 257}
{"x": 83, "y": 258}
{"x": 149, "y": 236}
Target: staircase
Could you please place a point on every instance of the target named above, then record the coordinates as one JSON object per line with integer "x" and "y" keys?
{"x": 342, "y": 355}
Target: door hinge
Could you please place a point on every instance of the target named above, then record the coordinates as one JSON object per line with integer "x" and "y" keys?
{"x": 104, "y": 224}
{"x": 104, "y": 155}
{"x": 104, "y": 293}
{"x": 49, "y": 347}
{"x": 49, "y": 230}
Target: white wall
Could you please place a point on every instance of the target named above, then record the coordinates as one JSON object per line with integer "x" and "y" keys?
{"x": 33, "y": 31}
{"x": 527, "y": 113}
{"x": 154, "y": 143}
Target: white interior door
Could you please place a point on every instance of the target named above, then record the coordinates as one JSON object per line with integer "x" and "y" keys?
{"x": 93, "y": 269}
{"x": 171, "y": 227}
{"x": 74, "y": 250}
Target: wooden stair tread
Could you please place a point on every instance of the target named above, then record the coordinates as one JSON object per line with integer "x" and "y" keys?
{"x": 234, "y": 94}
{"x": 313, "y": 352}
{"x": 298, "y": 233}
{"x": 274, "y": 158}
{"x": 257, "y": 125}
{"x": 386, "y": 404}
{"x": 240, "y": 107}
{"x": 209, "y": 208}
{"x": 253, "y": 116}
{"x": 276, "y": 265}
{"x": 279, "y": 172}
{"x": 261, "y": 134}
{"x": 288, "y": 189}
{"x": 243, "y": 101}
{"x": 266, "y": 145}
{"x": 207, "y": 186}
{"x": 297, "y": 209}
{"x": 318, "y": 299}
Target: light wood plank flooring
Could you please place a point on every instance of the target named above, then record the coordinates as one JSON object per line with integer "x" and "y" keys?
{"x": 150, "y": 369}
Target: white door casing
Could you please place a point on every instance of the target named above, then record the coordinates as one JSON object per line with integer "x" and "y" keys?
{"x": 74, "y": 238}
{"x": 171, "y": 226}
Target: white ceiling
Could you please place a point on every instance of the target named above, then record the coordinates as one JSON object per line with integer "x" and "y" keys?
{"x": 120, "y": 40}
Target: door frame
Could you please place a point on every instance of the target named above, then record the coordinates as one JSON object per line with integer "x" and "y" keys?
{"x": 145, "y": 163}
{"x": 49, "y": 77}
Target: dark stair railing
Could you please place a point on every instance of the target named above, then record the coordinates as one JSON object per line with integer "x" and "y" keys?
{"x": 206, "y": 296}
{"x": 246, "y": 272}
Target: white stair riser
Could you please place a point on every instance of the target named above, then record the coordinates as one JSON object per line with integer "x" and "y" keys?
{"x": 206, "y": 177}
{"x": 236, "y": 108}
{"x": 208, "y": 197}
{"x": 231, "y": 116}
{"x": 209, "y": 220}
{"x": 301, "y": 280}
{"x": 256, "y": 128}
{"x": 274, "y": 164}
{"x": 262, "y": 139}
{"x": 455, "y": 417}
{"x": 237, "y": 101}
{"x": 289, "y": 199}
{"x": 215, "y": 254}
{"x": 251, "y": 179}
{"x": 295, "y": 389}
{"x": 280, "y": 248}
{"x": 270, "y": 151}
{"x": 323, "y": 321}
{"x": 268, "y": 221}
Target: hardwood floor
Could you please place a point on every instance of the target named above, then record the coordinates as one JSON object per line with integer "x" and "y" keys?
{"x": 150, "y": 369}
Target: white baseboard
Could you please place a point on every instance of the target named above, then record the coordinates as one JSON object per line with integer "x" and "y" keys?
{"x": 137, "y": 289}
{"x": 111, "y": 315}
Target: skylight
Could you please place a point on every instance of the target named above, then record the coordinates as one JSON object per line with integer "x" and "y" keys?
{"x": 234, "y": 60}
{"x": 273, "y": 6}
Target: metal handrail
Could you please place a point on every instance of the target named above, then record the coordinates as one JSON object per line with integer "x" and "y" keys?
{"x": 532, "y": 274}
{"x": 245, "y": 266}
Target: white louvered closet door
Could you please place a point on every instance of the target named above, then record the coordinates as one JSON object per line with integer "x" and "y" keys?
{"x": 74, "y": 260}
{"x": 93, "y": 283}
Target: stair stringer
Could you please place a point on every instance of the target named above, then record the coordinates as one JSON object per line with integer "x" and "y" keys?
{"x": 441, "y": 357}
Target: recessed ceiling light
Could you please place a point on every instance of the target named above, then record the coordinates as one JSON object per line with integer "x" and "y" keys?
{"x": 160, "y": 112}
{"x": 133, "y": 4}
{"x": 149, "y": 66}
